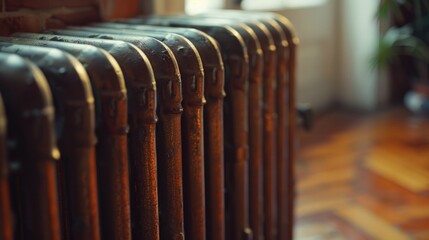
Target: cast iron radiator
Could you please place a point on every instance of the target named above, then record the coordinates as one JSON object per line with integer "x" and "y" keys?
{"x": 149, "y": 128}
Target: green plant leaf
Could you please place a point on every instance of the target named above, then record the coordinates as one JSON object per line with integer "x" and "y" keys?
{"x": 388, "y": 8}
{"x": 397, "y": 42}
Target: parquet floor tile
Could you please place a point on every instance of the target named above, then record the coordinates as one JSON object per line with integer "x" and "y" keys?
{"x": 364, "y": 177}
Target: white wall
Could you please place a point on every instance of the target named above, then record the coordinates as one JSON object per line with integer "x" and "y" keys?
{"x": 358, "y": 83}
{"x": 337, "y": 40}
{"x": 317, "y": 55}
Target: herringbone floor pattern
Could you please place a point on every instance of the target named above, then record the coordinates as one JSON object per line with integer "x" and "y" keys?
{"x": 364, "y": 177}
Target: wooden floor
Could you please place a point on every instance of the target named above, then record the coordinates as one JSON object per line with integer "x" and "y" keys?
{"x": 364, "y": 177}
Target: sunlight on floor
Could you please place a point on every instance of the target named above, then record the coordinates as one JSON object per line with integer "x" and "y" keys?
{"x": 364, "y": 177}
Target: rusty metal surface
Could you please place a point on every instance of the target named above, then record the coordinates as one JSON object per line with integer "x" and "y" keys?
{"x": 112, "y": 169}
{"x": 105, "y": 77}
{"x": 169, "y": 147}
{"x": 209, "y": 51}
{"x": 74, "y": 104}
{"x": 212, "y": 62}
{"x": 256, "y": 140}
{"x": 191, "y": 69}
{"x": 74, "y": 121}
{"x": 6, "y": 228}
{"x": 269, "y": 128}
{"x": 287, "y": 117}
{"x": 259, "y": 50}
{"x": 34, "y": 152}
{"x": 234, "y": 54}
{"x": 213, "y": 128}
{"x": 142, "y": 148}
{"x": 293, "y": 42}
{"x": 170, "y": 171}
{"x": 192, "y": 74}
{"x": 291, "y": 127}
{"x": 282, "y": 116}
{"x": 193, "y": 165}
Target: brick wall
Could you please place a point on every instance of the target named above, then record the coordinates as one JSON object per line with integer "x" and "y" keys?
{"x": 35, "y": 16}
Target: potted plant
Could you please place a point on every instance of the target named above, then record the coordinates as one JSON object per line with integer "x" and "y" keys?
{"x": 405, "y": 44}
